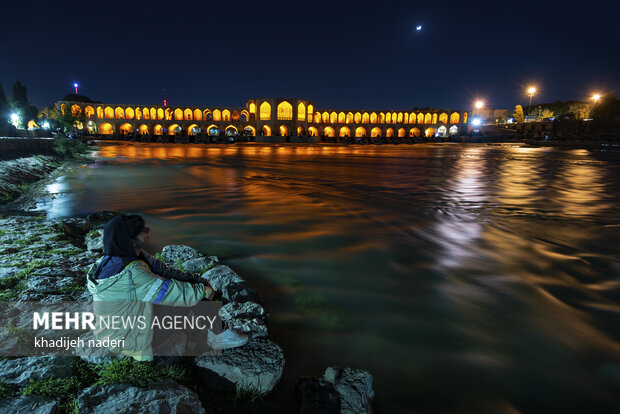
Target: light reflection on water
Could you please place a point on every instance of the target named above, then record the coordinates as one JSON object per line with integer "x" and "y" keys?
{"x": 465, "y": 278}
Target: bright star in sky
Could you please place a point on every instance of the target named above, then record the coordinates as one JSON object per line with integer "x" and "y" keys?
{"x": 418, "y": 27}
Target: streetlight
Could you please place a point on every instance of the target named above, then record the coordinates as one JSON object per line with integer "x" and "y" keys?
{"x": 596, "y": 97}
{"x": 479, "y": 104}
{"x": 15, "y": 119}
{"x": 531, "y": 90}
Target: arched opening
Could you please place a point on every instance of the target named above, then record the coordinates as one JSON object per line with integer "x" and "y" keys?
{"x": 285, "y": 111}
{"x": 213, "y": 130}
{"x": 412, "y": 118}
{"x": 266, "y": 130}
{"x": 415, "y": 132}
{"x": 313, "y": 132}
{"x": 89, "y": 111}
{"x": 245, "y": 116}
{"x": 100, "y": 112}
{"x": 106, "y": 129}
{"x": 329, "y": 132}
{"x": 249, "y": 130}
{"x": 76, "y": 110}
{"x": 119, "y": 113}
{"x": 174, "y": 129}
{"x": 168, "y": 114}
{"x": 400, "y": 117}
{"x": 428, "y": 118}
{"x": 138, "y": 114}
{"x": 226, "y": 115}
{"x": 402, "y": 132}
{"x": 464, "y": 117}
{"x": 442, "y": 131}
{"x": 178, "y": 114}
{"x": 197, "y": 115}
{"x": 420, "y": 118}
{"x": 341, "y": 118}
{"x": 143, "y": 129}
{"x": 109, "y": 112}
{"x": 32, "y": 125}
{"x": 284, "y": 131}
{"x": 389, "y": 133}
{"x": 129, "y": 113}
{"x": 373, "y": 118}
{"x": 300, "y": 131}
{"x": 454, "y": 130}
{"x": 383, "y": 119}
{"x": 333, "y": 118}
{"x": 206, "y": 115}
{"x": 188, "y": 115}
{"x": 265, "y": 113}
{"x": 157, "y": 113}
{"x": 193, "y": 129}
{"x": 376, "y": 132}
{"x": 158, "y": 130}
{"x": 91, "y": 127}
{"x": 231, "y": 131}
{"x": 360, "y": 132}
{"x": 301, "y": 112}
{"x": 217, "y": 115}
{"x": 434, "y": 118}
{"x": 317, "y": 118}
{"x": 325, "y": 117}
{"x": 345, "y": 132}
{"x": 454, "y": 118}
{"x": 310, "y": 111}
{"x": 253, "y": 108}
{"x": 429, "y": 133}
{"x": 406, "y": 118}
{"x": 365, "y": 118}
{"x": 443, "y": 118}
{"x": 349, "y": 119}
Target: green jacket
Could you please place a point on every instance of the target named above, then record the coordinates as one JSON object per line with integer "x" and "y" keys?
{"x": 132, "y": 293}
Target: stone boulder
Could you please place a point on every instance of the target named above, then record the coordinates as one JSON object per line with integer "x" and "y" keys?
{"x": 197, "y": 264}
{"x": 100, "y": 218}
{"x": 233, "y": 287}
{"x": 175, "y": 252}
{"x": 94, "y": 241}
{"x": 20, "y": 371}
{"x": 248, "y": 317}
{"x": 256, "y": 367}
{"x": 51, "y": 284}
{"x": 31, "y": 404}
{"x": 165, "y": 397}
{"x": 354, "y": 387}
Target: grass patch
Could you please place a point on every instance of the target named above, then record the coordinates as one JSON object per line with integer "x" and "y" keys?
{"x": 15, "y": 284}
{"x": 159, "y": 257}
{"x": 73, "y": 288}
{"x": 53, "y": 387}
{"x": 93, "y": 233}
{"x": 129, "y": 371}
{"x": 5, "y": 391}
{"x": 18, "y": 333}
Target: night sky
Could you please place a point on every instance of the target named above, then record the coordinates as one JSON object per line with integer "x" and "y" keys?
{"x": 339, "y": 54}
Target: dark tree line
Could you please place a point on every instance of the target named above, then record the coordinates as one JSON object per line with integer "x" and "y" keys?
{"x": 19, "y": 105}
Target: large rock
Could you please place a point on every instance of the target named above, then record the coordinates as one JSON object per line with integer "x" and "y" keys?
{"x": 94, "y": 241}
{"x": 20, "y": 371}
{"x": 354, "y": 387}
{"x": 233, "y": 287}
{"x": 176, "y": 252}
{"x": 197, "y": 264}
{"x": 315, "y": 395}
{"x": 167, "y": 397}
{"x": 256, "y": 367}
{"x": 248, "y": 317}
{"x": 31, "y": 404}
{"x": 51, "y": 284}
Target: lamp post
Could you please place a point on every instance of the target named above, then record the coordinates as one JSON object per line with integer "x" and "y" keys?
{"x": 479, "y": 104}
{"x": 595, "y": 98}
{"x": 531, "y": 91}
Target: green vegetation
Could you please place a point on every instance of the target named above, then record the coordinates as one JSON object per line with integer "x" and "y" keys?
{"x": 159, "y": 257}
{"x": 5, "y": 391}
{"x": 249, "y": 394}
{"x": 52, "y": 387}
{"x": 12, "y": 285}
{"x": 136, "y": 373}
{"x": 73, "y": 288}
{"x": 518, "y": 114}
{"x": 18, "y": 333}
{"x": 66, "y": 252}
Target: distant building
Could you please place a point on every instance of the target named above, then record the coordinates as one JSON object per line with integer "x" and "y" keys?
{"x": 265, "y": 117}
{"x": 491, "y": 116}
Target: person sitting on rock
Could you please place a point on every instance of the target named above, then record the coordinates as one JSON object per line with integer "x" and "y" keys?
{"x": 128, "y": 281}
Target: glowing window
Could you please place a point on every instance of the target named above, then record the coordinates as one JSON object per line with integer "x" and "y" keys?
{"x": 301, "y": 112}
{"x": 265, "y": 113}
{"x": 285, "y": 111}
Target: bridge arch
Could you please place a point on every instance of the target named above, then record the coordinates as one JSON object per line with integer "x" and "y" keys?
{"x": 89, "y": 111}
{"x": 106, "y": 129}
{"x": 454, "y": 118}
{"x": 143, "y": 129}
{"x": 415, "y": 132}
{"x": 193, "y": 129}
{"x": 345, "y": 132}
{"x": 231, "y": 131}
{"x": 226, "y": 115}
{"x": 197, "y": 115}
{"x": 376, "y": 132}
{"x": 360, "y": 132}
{"x": 158, "y": 130}
{"x": 265, "y": 113}
{"x": 250, "y": 129}
{"x": 213, "y": 130}
{"x": 266, "y": 130}
{"x": 329, "y": 131}
{"x": 373, "y": 118}
{"x": 174, "y": 129}
{"x": 341, "y": 117}
{"x": 430, "y": 132}
{"x": 357, "y": 118}
{"x": 119, "y": 113}
{"x": 217, "y": 115}
{"x": 313, "y": 132}
{"x": 109, "y": 112}
{"x": 402, "y": 132}
{"x": 284, "y": 131}
{"x": 389, "y": 133}
{"x": 443, "y": 118}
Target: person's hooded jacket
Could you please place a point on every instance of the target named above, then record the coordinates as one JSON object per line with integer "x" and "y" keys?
{"x": 123, "y": 285}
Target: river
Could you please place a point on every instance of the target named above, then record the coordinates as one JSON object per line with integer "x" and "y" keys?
{"x": 464, "y": 277}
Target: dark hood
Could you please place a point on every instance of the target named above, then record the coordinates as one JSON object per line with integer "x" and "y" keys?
{"x": 118, "y": 248}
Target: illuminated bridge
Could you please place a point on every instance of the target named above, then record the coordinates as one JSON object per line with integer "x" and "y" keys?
{"x": 264, "y": 118}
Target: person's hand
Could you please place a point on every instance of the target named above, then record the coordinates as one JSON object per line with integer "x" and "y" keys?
{"x": 207, "y": 285}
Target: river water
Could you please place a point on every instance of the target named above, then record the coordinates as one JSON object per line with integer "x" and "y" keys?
{"x": 464, "y": 277}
